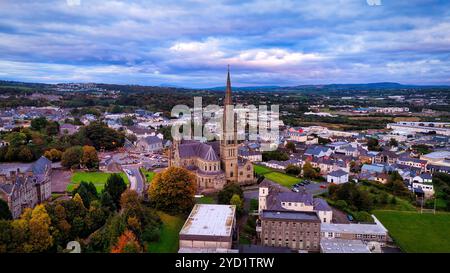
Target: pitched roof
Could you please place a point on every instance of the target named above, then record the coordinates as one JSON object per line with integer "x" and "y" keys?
{"x": 198, "y": 149}
{"x": 152, "y": 140}
{"x": 41, "y": 166}
{"x": 338, "y": 173}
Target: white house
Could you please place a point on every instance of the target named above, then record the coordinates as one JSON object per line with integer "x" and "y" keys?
{"x": 337, "y": 177}
{"x": 423, "y": 182}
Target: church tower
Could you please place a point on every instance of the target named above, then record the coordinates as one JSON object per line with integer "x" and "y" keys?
{"x": 228, "y": 142}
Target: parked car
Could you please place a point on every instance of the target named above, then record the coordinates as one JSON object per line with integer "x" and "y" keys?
{"x": 294, "y": 189}
{"x": 323, "y": 186}
{"x": 349, "y": 217}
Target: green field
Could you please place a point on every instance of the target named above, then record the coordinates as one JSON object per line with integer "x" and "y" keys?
{"x": 275, "y": 176}
{"x": 97, "y": 178}
{"x": 261, "y": 169}
{"x": 148, "y": 175}
{"x": 168, "y": 242}
{"x": 418, "y": 233}
{"x": 282, "y": 179}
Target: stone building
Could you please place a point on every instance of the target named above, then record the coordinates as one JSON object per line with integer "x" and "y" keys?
{"x": 298, "y": 230}
{"x": 290, "y": 219}
{"x": 27, "y": 189}
{"x": 215, "y": 163}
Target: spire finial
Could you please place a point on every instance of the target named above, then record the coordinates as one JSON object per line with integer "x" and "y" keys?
{"x": 228, "y": 89}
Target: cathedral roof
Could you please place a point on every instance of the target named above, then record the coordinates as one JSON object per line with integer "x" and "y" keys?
{"x": 198, "y": 149}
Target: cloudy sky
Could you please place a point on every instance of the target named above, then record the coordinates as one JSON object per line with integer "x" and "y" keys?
{"x": 190, "y": 43}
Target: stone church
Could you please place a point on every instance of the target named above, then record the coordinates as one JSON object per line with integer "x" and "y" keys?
{"x": 215, "y": 163}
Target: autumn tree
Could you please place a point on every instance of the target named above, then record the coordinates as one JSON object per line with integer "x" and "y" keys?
{"x": 127, "y": 243}
{"x": 90, "y": 158}
{"x": 39, "y": 226}
{"x": 71, "y": 158}
{"x": 173, "y": 190}
{"x": 53, "y": 155}
{"x": 115, "y": 186}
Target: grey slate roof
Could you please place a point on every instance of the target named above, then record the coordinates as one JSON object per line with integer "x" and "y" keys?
{"x": 152, "y": 140}
{"x": 198, "y": 149}
{"x": 41, "y": 166}
{"x": 290, "y": 215}
{"x": 337, "y": 173}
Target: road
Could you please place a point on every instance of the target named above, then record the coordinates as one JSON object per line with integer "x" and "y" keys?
{"x": 137, "y": 181}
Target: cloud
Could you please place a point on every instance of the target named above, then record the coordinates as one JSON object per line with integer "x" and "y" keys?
{"x": 189, "y": 43}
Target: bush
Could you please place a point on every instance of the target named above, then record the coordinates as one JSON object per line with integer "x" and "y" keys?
{"x": 151, "y": 234}
{"x": 363, "y": 216}
{"x": 341, "y": 204}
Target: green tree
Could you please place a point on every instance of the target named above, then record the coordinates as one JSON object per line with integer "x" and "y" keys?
{"x": 38, "y": 124}
{"x": 372, "y": 144}
{"x": 71, "y": 158}
{"x": 173, "y": 190}
{"x": 103, "y": 137}
{"x": 5, "y": 213}
{"x": 107, "y": 201}
{"x": 393, "y": 142}
{"x": 309, "y": 171}
{"x": 237, "y": 201}
{"x": 25, "y": 154}
{"x": 293, "y": 169}
{"x": 291, "y": 146}
{"x": 275, "y": 155}
{"x": 115, "y": 186}
{"x": 224, "y": 196}
{"x": 87, "y": 192}
{"x": 52, "y": 128}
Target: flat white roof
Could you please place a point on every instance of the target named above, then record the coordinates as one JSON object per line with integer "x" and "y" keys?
{"x": 210, "y": 220}
{"x": 377, "y": 228}
{"x": 334, "y": 245}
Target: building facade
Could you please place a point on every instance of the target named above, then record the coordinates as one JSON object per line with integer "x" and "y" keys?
{"x": 27, "y": 189}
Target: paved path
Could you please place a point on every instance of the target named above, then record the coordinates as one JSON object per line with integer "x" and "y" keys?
{"x": 137, "y": 181}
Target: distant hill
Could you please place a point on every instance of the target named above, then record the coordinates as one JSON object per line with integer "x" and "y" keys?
{"x": 332, "y": 87}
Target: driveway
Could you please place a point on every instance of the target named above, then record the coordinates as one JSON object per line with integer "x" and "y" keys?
{"x": 136, "y": 180}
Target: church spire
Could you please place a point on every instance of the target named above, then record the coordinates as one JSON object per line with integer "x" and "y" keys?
{"x": 228, "y": 91}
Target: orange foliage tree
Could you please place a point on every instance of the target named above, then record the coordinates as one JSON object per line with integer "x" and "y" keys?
{"x": 127, "y": 243}
{"x": 173, "y": 190}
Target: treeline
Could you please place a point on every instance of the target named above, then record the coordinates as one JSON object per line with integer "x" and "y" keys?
{"x": 28, "y": 144}
{"x": 116, "y": 220}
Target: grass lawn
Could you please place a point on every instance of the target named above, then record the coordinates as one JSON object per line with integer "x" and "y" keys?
{"x": 417, "y": 233}
{"x": 97, "y": 178}
{"x": 261, "y": 169}
{"x": 206, "y": 200}
{"x": 168, "y": 242}
{"x": 148, "y": 175}
{"x": 282, "y": 179}
{"x": 277, "y": 177}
